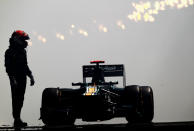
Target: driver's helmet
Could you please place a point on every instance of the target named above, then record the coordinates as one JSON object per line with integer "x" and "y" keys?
{"x": 20, "y": 34}
{"x": 18, "y": 39}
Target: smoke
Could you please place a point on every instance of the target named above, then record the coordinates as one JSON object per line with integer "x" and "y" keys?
{"x": 155, "y": 44}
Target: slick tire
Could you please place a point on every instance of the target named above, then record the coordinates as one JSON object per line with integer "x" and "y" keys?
{"x": 131, "y": 94}
{"x": 51, "y": 112}
{"x": 146, "y": 104}
{"x": 50, "y": 97}
{"x": 141, "y": 97}
{"x": 131, "y": 97}
{"x": 49, "y": 104}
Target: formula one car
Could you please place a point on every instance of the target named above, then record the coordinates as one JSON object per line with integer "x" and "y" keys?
{"x": 98, "y": 99}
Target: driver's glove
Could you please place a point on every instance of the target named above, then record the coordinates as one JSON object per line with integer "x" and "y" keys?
{"x": 31, "y": 80}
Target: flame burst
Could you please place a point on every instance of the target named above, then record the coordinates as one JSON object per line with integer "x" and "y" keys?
{"x": 145, "y": 11}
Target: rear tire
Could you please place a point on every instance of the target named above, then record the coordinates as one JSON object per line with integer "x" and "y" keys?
{"x": 143, "y": 104}
{"x": 50, "y": 97}
{"x": 146, "y": 104}
{"x": 51, "y": 113}
{"x": 131, "y": 96}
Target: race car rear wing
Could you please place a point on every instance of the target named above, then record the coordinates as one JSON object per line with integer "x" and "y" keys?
{"x": 109, "y": 71}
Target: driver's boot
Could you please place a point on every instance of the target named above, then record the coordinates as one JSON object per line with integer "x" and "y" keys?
{"x": 19, "y": 123}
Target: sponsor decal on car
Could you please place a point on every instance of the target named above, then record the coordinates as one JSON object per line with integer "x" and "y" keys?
{"x": 90, "y": 90}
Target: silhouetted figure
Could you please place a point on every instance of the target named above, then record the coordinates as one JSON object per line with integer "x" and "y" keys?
{"x": 17, "y": 70}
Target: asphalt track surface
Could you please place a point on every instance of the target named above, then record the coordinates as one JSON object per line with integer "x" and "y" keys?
{"x": 173, "y": 126}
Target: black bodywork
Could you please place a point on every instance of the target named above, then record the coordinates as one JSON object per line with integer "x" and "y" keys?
{"x": 97, "y": 100}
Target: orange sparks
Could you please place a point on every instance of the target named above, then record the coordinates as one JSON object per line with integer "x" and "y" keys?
{"x": 42, "y": 39}
{"x": 60, "y": 36}
{"x": 83, "y": 32}
{"x": 72, "y": 26}
{"x": 121, "y": 25}
{"x": 146, "y": 10}
{"x": 102, "y": 28}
